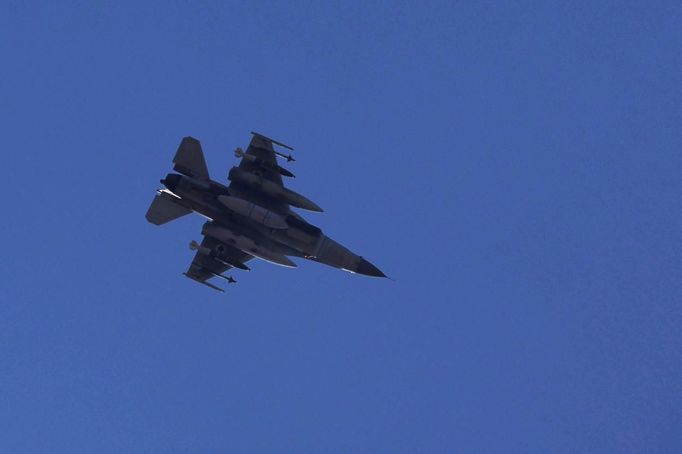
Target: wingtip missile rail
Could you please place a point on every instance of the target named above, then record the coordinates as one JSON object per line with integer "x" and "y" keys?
{"x": 207, "y": 284}
{"x": 239, "y": 153}
{"x": 288, "y": 157}
{"x": 272, "y": 140}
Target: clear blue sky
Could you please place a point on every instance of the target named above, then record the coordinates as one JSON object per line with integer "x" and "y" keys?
{"x": 515, "y": 167}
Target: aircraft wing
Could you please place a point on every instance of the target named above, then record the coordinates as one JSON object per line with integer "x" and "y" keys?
{"x": 260, "y": 159}
{"x": 212, "y": 259}
{"x": 262, "y": 149}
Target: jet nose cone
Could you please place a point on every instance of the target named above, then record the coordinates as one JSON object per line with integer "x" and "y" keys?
{"x": 366, "y": 268}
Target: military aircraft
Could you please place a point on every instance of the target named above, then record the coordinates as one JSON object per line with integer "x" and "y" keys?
{"x": 251, "y": 217}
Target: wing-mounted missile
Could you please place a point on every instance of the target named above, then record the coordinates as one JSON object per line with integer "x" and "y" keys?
{"x": 229, "y": 279}
{"x": 247, "y": 245}
{"x": 239, "y": 153}
{"x": 207, "y": 284}
{"x": 271, "y": 189}
{"x": 288, "y": 157}
{"x": 218, "y": 254}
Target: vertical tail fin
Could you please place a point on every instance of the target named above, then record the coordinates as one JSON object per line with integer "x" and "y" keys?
{"x": 189, "y": 159}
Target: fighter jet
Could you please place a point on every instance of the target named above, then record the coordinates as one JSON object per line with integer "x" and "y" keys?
{"x": 250, "y": 217}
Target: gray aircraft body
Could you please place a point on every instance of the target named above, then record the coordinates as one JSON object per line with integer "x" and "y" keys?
{"x": 251, "y": 217}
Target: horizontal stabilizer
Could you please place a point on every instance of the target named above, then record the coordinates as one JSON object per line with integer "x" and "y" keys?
{"x": 189, "y": 159}
{"x": 164, "y": 208}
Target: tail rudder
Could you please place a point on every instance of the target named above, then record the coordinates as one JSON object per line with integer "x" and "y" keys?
{"x": 189, "y": 159}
